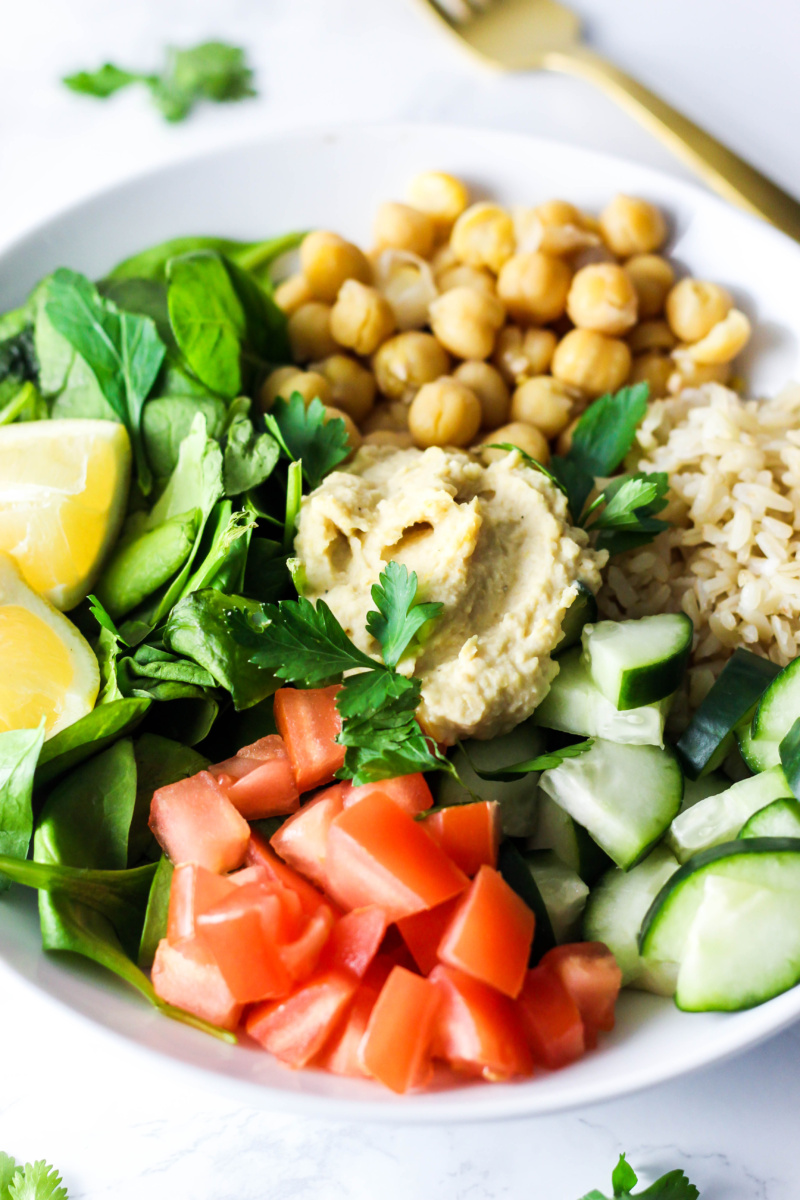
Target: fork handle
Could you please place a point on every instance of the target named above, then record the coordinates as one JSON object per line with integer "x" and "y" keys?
{"x": 727, "y": 173}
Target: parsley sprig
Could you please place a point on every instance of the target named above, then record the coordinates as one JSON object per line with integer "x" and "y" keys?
{"x": 33, "y": 1181}
{"x": 672, "y": 1186}
{"x": 306, "y": 436}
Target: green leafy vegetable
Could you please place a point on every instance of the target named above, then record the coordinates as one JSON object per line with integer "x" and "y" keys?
{"x": 305, "y": 436}
{"x": 249, "y": 457}
{"x": 141, "y": 565}
{"x": 207, "y": 318}
{"x": 103, "y": 82}
{"x": 34, "y": 1181}
{"x": 542, "y": 762}
{"x": 19, "y": 751}
{"x": 600, "y": 441}
{"x": 26, "y": 404}
{"x": 257, "y": 257}
{"x": 222, "y": 556}
{"x": 672, "y": 1186}
{"x": 89, "y": 735}
{"x": 166, "y": 421}
{"x": 399, "y": 618}
{"x": 624, "y": 512}
{"x": 155, "y": 917}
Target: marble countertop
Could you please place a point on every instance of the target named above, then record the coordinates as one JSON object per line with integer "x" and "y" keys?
{"x": 113, "y": 1126}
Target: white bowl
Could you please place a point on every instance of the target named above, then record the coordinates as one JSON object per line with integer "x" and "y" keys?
{"x": 335, "y": 179}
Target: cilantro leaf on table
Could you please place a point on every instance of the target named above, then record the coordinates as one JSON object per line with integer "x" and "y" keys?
{"x": 399, "y": 617}
{"x": 36, "y": 1181}
{"x": 7, "y": 1168}
{"x": 672, "y": 1186}
{"x": 305, "y": 435}
{"x": 103, "y": 82}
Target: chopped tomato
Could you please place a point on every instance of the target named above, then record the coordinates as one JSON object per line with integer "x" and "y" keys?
{"x": 259, "y": 779}
{"x": 243, "y": 932}
{"x": 423, "y": 931}
{"x": 551, "y": 1019}
{"x": 381, "y": 968}
{"x": 303, "y": 840}
{"x": 477, "y": 1029}
{"x": 490, "y": 934}
{"x": 355, "y": 940}
{"x": 187, "y": 976}
{"x": 259, "y": 854}
{"x": 396, "y": 1048}
{"x": 296, "y": 1028}
{"x": 249, "y": 757}
{"x": 590, "y": 974}
{"x": 468, "y": 833}
{"x": 194, "y": 821}
{"x": 409, "y": 792}
{"x": 193, "y": 890}
{"x": 378, "y": 854}
{"x": 301, "y": 955}
{"x": 341, "y": 1054}
{"x": 309, "y": 721}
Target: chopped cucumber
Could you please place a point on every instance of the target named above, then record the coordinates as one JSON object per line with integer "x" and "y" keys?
{"x": 709, "y": 736}
{"x": 563, "y": 891}
{"x": 729, "y": 919}
{"x": 779, "y": 819}
{"x": 777, "y": 711}
{"x": 575, "y": 705}
{"x": 635, "y": 663}
{"x": 517, "y": 797}
{"x": 625, "y": 796}
{"x": 517, "y": 874}
{"x": 719, "y": 818}
{"x": 614, "y": 914}
{"x": 582, "y": 610}
{"x": 556, "y": 831}
{"x": 695, "y": 790}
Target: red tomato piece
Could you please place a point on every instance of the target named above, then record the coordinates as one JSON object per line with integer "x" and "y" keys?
{"x": 309, "y": 722}
{"x": 409, "y": 792}
{"x": 301, "y": 955}
{"x": 589, "y": 972}
{"x": 396, "y": 1048}
{"x": 296, "y": 1029}
{"x": 423, "y": 931}
{"x": 378, "y": 854}
{"x": 478, "y": 1030}
{"x": 259, "y": 779}
{"x": 381, "y": 968}
{"x": 341, "y": 1054}
{"x": 187, "y": 976}
{"x": 355, "y": 940}
{"x": 490, "y": 934}
{"x": 244, "y": 934}
{"x": 303, "y": 840}
{"x": 259, "y": 854}
{"x": 193, "y": 890}
{"x": 194, "y": 821}
{"x": 248, "y": 758}
{"x": 551, "y": 1019}
{"x": 469, "y": 833}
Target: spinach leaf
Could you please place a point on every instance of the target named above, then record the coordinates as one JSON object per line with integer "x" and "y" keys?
{"x": 186, "y": 713}
{"x": 207, "y": 319}
{"x": 18, "y": 359}
{"x": 267, "y": 575}
{"x": 249, "y": 458}
{"x": 256, "y": 257}
{"x": 146, "y": 297}
{"x": 65, "y": 380}
{"x": 88, "y": 736}
{"x": 23, "y": 403}
{"x": 167, "y": 420}
{"x": 19, "y": 750}
{"x": 155, "y": 917}
{"x": 223, "y": 554}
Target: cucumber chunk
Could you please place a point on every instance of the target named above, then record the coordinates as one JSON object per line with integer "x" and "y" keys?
{"x": 517, "y": 797}
{"x": 582, "y": 610}
{"x": 625, "y": 796}
{"x": 709, "y": 736}
{"x": 776, "y": 713}
{"x": 563, "y": 891}
{"x": 779, "y": 819}
{"x": 695, "y": 790}
{"x": 575, "y": 705}
{"x": 719, "y": 818}
{"x": 556, "y": 831}
{"x": 614, "y": 914}
{"x": 634, "y": 663}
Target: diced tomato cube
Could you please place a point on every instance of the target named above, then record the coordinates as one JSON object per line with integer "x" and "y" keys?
{"x": 303, "y": 840}
{"x": 396, "y": 1048}
{"x": 490, "y": 934}
{"x": 296, "y": 1029}
{"x": 551, "y": 1019}
{"x": 590, "y": 974}
{"x": 309, "y": 722}
{"x": 423, "y": 931}
{"x": 341, "y": 1055}
{"x": 193, "y": 890}
{"x": 477, "y": 1029}
{"x": 259, "y": 854}
{"x": 244, "y": 934}
{"x": 194, "y": 821}
{"x": 187, "y": 976}
{"x": 355, "y": 940}
{"x": 301, "y": 955}
{"x": 248, "y": 758}
{"x": 469, "y": 833}
{"x": 409, "y": 792}
{"x": 378, "y": 854}
{"x": 381, "y": 968}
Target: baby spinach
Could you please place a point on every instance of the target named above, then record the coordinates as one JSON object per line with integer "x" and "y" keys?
{"x": 146, "y": 297}
{"x": 256, "y": 257}
{"x": 207, "y": 319}
{"x": 19, "y": 367}
{"x": 19, "y": 751}
{"x": 88, "y": 736}
{"x": 24, "y": 404}
{"x": 155, "y": 917}
{"x": 249, "y": 457}
{"x": 166, "y": 421}
{"x": 223, "y": 554}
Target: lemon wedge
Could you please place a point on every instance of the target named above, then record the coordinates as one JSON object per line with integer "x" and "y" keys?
{"x": 48, "y": 668}
{"x": 63, "y": 488}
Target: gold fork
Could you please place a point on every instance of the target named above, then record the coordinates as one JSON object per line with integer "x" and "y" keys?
{"x": 527, "y": 34}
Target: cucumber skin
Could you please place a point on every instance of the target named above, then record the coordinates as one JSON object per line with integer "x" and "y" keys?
{"x": 582, "y": 611}
{"x": 776, "y": 807}
{"x": 647, "y": 685}
{"x": 762, "y": 752}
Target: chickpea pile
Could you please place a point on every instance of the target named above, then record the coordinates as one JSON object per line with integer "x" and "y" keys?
{"x": 467, "y": 324}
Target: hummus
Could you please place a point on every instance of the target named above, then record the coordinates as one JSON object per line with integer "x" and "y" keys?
{"x": 492, "y": 543}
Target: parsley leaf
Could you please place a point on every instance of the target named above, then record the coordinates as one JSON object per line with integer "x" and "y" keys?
{"x": 672, "y": 1186}
{"x": 36, "y": 1181}
{"x": 301, "y": 643}
{"x": 626, "y": 511}
{"x": 398, "y": 618}
{"x": 600, "y": 441}
{"x": 531, "y": 462}
{"x": 103, "y": 619}
{"x": 542, "y": 762}
{"x": 623, "y": 1177}
{"x": 305, "y": 435}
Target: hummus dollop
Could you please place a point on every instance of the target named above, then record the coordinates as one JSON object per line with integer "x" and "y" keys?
{"x": 492, "y": 543}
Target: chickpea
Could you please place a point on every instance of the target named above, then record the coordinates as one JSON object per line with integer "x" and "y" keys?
{"x": 519, "y": 353}
{"x": 544, "y": 402}
{"x": 534, "y": 287}
{"x": 390, "y": 416}
{"x": 464, "y": 276}
{"x": 444, "y": 258}
{"x": 483, "y": 236}
{"x": 309, "y": 329}
{"x": 489, "y": 386}
{"x": 400, "y": 227}
{"x": 406, "y": 362}
{"x": 555, "y": 227}
{"x": 724, "y": 341}
{"x": 444, "y": 413}
{"x": 272, "y": 386}
{"x": 602, "y": 297}
{"x": 353, "y": 435}
{"x": 352, "y": 386}
{"x": 632, "y": 226}
{"x": 441, "y": 196}
{"x": 654, "y": 369}
{"x": 652, "y": 276}
{"x": 529, "y": 439}
{"x": 327, "y": 260}
{"x": 466, "y": 322}
{"x": 293, "y": 292}
{"x": 361, "y": 318}
{"x": 690, "y": 374}
{"x": 564, "y": 439}
{"x": 407, "y": 282}
{"x": 651, "y": 335}
{"x": 389, "y": 437}
{"x": 591, "y": 361}
{"x": 695, "y": 307}
{"x": 288, "y": 380}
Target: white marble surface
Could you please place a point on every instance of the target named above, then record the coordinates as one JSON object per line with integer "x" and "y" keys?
{"x": 113, "y": 1126}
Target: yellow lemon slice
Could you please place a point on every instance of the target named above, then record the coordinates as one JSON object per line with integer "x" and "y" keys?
{"x": 63, "y": 487}
{"x": 48, "y": 668}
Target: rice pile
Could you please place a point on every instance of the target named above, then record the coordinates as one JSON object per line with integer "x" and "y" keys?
{"x": 731, "y": 560}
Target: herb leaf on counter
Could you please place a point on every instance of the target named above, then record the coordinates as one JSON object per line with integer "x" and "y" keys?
{"x": 33, "y": 1181}
{"x": 305, "y": 436}
{"x": 672, "y": 1186}
{"x": 399, "y": 617}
